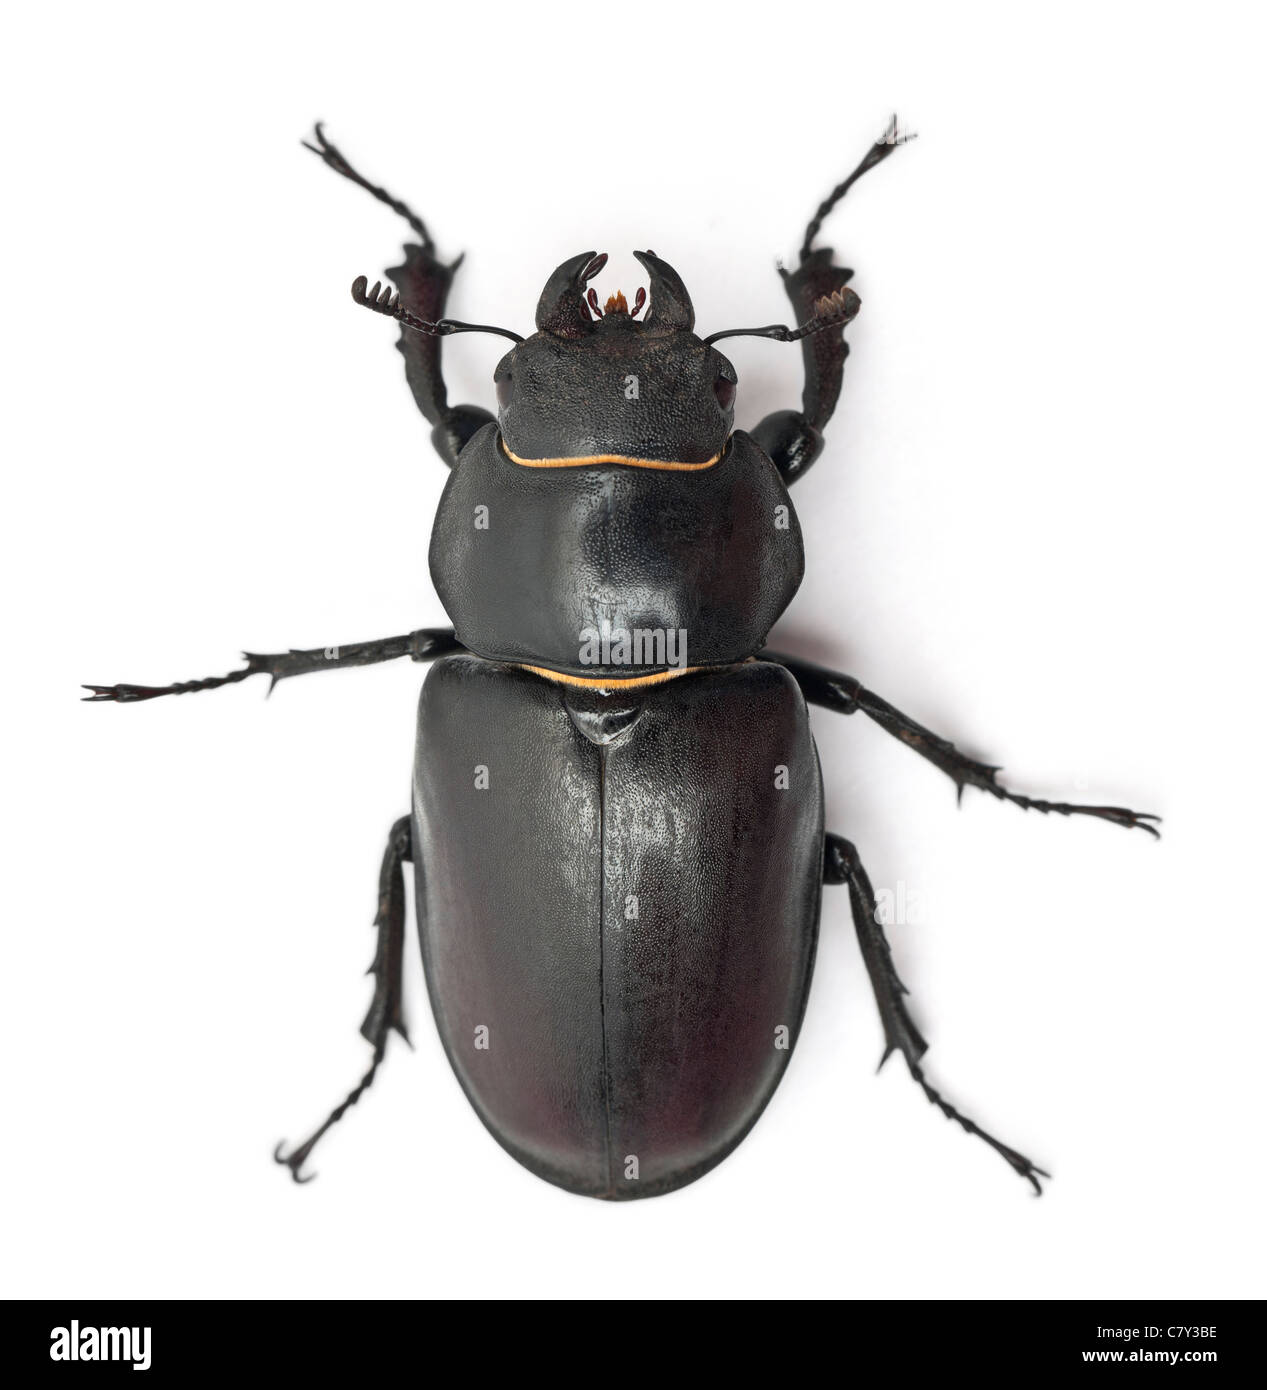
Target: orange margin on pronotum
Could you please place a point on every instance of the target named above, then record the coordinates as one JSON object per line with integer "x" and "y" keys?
{"x": 609, "y": 458}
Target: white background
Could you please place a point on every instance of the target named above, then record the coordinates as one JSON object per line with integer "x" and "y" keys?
{"x": 1037, "y": 528}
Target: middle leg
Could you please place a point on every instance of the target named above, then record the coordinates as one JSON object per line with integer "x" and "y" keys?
{"x": 424, "y": 645}
{"x": 836, "y": 691}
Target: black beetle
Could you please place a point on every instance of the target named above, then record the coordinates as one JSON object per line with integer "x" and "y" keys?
{"x": 617, "y": 826}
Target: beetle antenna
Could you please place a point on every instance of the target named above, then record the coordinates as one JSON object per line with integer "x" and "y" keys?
{"x": 387, "y": 302}
{"x": 591, "y": 298}
{"x": 831, "y": 311}
{"x": 892, "y": 137}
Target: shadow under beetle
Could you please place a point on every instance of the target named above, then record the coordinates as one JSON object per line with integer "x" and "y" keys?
{"x": 619, "y": 855}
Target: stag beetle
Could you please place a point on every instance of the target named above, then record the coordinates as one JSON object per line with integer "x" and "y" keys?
{"x": 617, "y": 825}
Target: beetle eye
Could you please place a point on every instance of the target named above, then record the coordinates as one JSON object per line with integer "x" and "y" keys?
{"x": 504, "y": 388}
{"x": 724, "y": 390}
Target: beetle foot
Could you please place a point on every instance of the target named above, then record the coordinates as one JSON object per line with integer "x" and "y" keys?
{"x": 1022, "y": 1165}
{"x": 296, "y": 1160}
{"x": 984, "y": 777}
{"x": 125, "y": 694}
{"x": 328, "y": 152}
{"x": 130, "y": 694}
{"x": 334, "y": 158}
{"x": 893, "y": 133}
{"x": 1019, "y": 1164}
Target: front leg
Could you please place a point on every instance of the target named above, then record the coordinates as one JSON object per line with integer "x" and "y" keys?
{"x": 794, "y": 438}
{"x": 424, "y": 645}
{"x": 423, "y": 281}
{"x": 845, "y": 695}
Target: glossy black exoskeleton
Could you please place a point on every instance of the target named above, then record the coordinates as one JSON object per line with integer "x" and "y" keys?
{"x": 617, "y": 824}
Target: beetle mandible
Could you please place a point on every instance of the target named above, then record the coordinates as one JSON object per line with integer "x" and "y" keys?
{"x": 618, "y": 973}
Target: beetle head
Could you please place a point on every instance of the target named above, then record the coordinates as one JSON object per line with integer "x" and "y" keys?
{"x": 603, "y": 385}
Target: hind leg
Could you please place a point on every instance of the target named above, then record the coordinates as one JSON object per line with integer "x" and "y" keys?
{"x": 423, "y": 281}
{"x": 842, "y": 865}
{"x": 388, "y": 971}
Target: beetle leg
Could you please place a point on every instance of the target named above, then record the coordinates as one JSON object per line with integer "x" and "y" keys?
{"x": 423, "y": 281}
{"x": 845, "y": 695}
{"x": 424, "y": 645}
{"x": 388, "y": 971}
{"x": 793, "y": 438}
{"x": 842, "y": 865}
